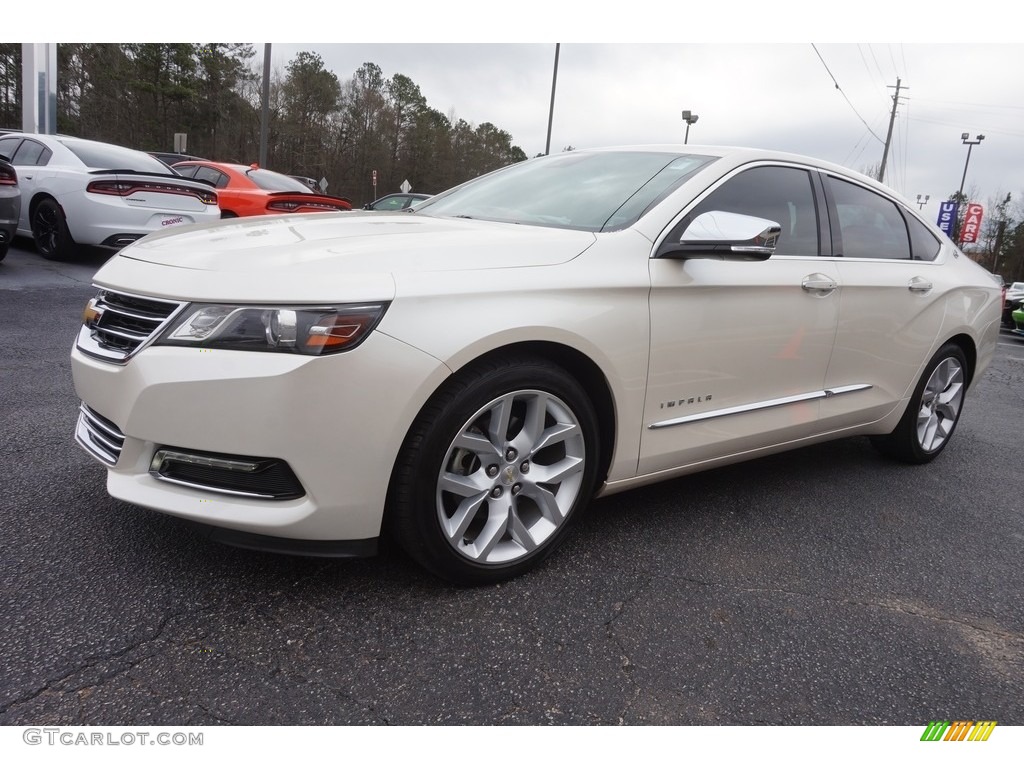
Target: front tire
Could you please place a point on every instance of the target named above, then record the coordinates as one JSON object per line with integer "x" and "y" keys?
{"x": 933, "y": 412}
{"x": 495, "y": 471}
{"x": 50, "y": 231}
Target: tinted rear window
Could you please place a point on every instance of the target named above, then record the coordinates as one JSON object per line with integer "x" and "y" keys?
{"x": 109, "y": 157}
{"x": 275, "y": 182}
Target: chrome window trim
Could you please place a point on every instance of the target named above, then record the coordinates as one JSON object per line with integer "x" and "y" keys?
{"x": 759, "y": 406}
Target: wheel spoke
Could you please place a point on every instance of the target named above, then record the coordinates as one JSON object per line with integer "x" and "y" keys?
{"x": 557, "y": 434}
{"x": 520, "y": 533}
{"x": 529, "y": 437}
{"x": 546, "y": 503}
{"x": 481, "y": 446}
{"x": 557, "y": 472}
{"x": 457, "y": 524}
{"x": 927, "y": 430}
{"x": 951, "y": 393}
{"x": 501, "y": 414}
{"x": 494, "y": 529}
{"x": 465, "y": 485}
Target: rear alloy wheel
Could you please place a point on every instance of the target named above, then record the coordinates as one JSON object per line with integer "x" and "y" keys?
{"x": 933, "y": 412}
{"x": 494, "y": 471}
{"x": 50, "y": 231}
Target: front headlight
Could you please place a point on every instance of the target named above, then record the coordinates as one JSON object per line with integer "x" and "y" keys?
{"x": 302, "y": 330}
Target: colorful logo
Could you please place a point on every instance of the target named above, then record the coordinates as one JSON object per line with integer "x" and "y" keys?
{"x": 958, "y": 730}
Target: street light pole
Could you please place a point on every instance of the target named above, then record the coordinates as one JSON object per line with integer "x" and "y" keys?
{"x": 965, "y": 139}
{"x": 922, "y": 202}
{"x": 551, "y": 110}
{"x": 689, "y": 118}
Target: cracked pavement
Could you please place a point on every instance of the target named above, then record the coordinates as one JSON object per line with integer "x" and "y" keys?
{"x": 825, "y": 586}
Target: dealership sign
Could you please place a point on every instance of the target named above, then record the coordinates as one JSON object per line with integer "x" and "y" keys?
{"x": 947, "y": 218}
{"x": 972, "y": 223}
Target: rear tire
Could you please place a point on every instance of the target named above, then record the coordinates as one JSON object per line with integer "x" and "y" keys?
{"x": 495, "y": 471}
{"x": 933, "y": 411}
{"x": 50, "y": 231}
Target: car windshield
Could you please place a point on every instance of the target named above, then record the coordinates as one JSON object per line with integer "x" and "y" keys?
{"x": 111, "y": 157}
{"x": 592, "y": 191}
{"x": 274, "y": 182}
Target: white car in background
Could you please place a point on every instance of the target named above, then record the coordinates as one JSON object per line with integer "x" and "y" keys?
{"x": 469, "y": 374}
{"x": 79, "y": 192}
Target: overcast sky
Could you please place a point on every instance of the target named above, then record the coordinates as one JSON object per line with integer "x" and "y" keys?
{"x": 762, "y": 76}
{"x": 778, "y": 96}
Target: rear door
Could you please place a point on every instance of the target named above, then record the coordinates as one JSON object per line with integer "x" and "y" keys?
{"x": 892, "y": 300}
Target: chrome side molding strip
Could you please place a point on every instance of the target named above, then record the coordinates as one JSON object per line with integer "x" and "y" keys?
{"x": 792, "y": 399}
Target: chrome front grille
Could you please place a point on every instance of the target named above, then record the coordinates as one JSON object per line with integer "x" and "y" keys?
{"x": 98, "y": 436}
{"x": 117, "y": 325}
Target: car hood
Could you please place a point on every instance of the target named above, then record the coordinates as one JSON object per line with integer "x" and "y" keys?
{"x": 356, "y": 242}
{"x": 325, "y": 256}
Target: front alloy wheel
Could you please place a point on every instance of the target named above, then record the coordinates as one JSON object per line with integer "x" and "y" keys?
{"x": 494, "y": 471}
{"x": 510, "y": 477}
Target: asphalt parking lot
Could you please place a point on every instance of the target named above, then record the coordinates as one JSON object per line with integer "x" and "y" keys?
{"x": 826, "y": 586}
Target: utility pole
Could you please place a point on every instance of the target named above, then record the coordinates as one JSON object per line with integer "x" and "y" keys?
{"x": 888, "y": 137}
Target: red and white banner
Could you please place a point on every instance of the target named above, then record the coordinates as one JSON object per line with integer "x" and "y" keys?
{"x": 972, "y": 223}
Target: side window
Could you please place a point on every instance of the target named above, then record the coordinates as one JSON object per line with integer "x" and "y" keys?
{"x": 923, "y": 243}
{"x": 30, "y": 153}
{"x": 211, "y": 176}
{"x": 871, "y": 227}
{"x": 188, "y": 171}
{"x": 394, "y": 204}
{"x": 782, "y": 195}
{"x": 8, "y": 146}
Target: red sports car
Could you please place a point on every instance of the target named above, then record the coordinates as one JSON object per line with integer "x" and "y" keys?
{"x": 248, "y": 190}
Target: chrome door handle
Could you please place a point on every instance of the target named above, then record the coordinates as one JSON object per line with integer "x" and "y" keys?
{"x": 919, "y": 285}
{"x": 819, "y": 284}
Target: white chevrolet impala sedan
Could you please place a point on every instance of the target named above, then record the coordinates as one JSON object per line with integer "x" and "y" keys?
{"x": 468, "y": 375}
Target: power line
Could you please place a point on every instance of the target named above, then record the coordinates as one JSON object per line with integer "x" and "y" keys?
{"x": 844, "y": 94}
{"x": 970, "y": 104}
{"x": 872, "y": 52}
{"x": 959, "y": 126}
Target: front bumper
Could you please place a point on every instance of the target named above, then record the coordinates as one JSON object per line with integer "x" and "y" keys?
{"x": 337, "y": 421}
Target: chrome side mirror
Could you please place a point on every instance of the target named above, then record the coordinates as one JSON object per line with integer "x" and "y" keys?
{"x": 725, "y": 235}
